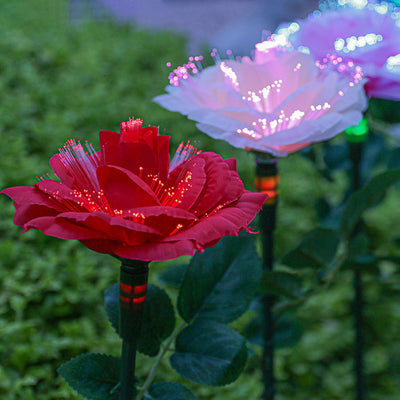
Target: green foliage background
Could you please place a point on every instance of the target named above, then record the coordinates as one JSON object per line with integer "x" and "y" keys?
{"x": 60, "y": 80}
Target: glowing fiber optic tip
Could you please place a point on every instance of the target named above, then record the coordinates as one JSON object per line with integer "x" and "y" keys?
{"x": 393, "y": 63}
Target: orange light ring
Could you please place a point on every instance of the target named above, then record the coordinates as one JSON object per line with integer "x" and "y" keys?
{"x": 267, "y": 179}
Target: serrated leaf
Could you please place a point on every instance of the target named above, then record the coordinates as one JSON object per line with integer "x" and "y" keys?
{"x": 367, "y": 197}
{"x": 94, "y": 376}
{"x": 279, "y": 283}
{"x": 220, "y": 283}
{"x": 158, "y": 319}
{"x": 209, "y": 353}
{"x": 111, "y": 305}
{"x": 169, "y": 391}
{"x": 173, "y": 276}
{"x": 316, "y": 249}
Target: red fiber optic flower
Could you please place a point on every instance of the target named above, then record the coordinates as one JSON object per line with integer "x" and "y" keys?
{"x": 130, "y": 201}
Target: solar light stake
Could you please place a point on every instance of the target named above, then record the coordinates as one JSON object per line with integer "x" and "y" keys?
{"x": 266, "y": 181}
{"x": 356, "y": 137}
{"x": 132, "y": 296}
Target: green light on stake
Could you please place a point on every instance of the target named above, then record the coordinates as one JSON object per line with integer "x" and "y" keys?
{"x": 357, "y": 134}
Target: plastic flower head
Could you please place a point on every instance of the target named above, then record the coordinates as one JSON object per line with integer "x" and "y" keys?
{"x": 278, "y": 102}
{"x": 365, "y": 33}
{"x": 129, "y": 200}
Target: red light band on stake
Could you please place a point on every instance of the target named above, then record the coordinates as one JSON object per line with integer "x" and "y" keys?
{"x": 269, "y": 185}
{"x": 132, "y": 296}
{"x": 267, "y": 179}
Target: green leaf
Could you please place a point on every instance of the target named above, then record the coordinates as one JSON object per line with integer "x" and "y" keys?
{"x": 288, "y": 331}
{"x": 367, "y": 197}
{"x": 279, "y": 283}
{"x": 220, "y": 283}
{"x": 158, "y": 319}
{"x": 316, "y": 250}
{"x": 169, "y": 391}
{"x": 94, "y": 376}
{"x": 359, "y": 256}
{"x": 173, "y": 276}
{"x": 358, "y": 246}
{"x": 111, "y": 305}
{"x": 394, "y": 159}
{"x": 209, "y": 353}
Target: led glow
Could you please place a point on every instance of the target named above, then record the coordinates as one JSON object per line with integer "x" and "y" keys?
{"x": 229, "y": 73}
{"x": 352, "y": 43}
{"x": 393, "y": 63}
{"x": 183, "y": 153}
{"x": 267, "y": 45}
{"x": 192, "y": 67}
{"x": 265, "y": 127}
{"x": 360, "y": 4}
{"x": 264, "y": 100}
{"x": 358, "y": 133}
{"x": 381, "y": 8}
{"x": 349, "y": 68}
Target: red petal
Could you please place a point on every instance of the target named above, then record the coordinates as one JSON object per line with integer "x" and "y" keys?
{"x": 159, "y": 251}
{"x": 62, "y": 171}
{"x": 109, "y": 138}
{"x": 164, "y": 219}
{"x": 59, "y": 194}
{"x": 104, "y": 246}
{"x": 115, "y": 228}
{"x": 62, "y": 228}
{"x": 223, "y": 185}
{"x": 227, "y": 221}
{"x": 124, "y": 190}
{"x": 163, "y": 157}
{"x": 27, "y": 212}
{"x": 231, "y": 163}
{"x": 132, "y": 156}
{"x": 30, "y": 195}
{"x": 194, "y": 171}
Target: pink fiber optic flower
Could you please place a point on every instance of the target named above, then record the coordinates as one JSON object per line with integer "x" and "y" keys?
{"x": 369, "y": 37}
{"x": 277, "y": 103}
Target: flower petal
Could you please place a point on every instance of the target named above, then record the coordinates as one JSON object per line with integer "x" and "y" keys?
{"x": 164, "y": 219}
{"x": 62, "y": 171}
{"x": 115, "y": 228}
{"x": 227, "y": 221}
{"x": 62, "y": 228}
{"x": 124, "y": 190}
{"x": 222, "y": 187}
{"x": 121, "y": 156}
{"x": 188, "y": 181}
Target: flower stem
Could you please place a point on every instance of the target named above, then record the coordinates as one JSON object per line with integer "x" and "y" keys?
{"x": 267, "y": 181}
{"x": 165, "y": 348}
{"x": 355, "y": 153}
{"x": 133, "y": 287}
